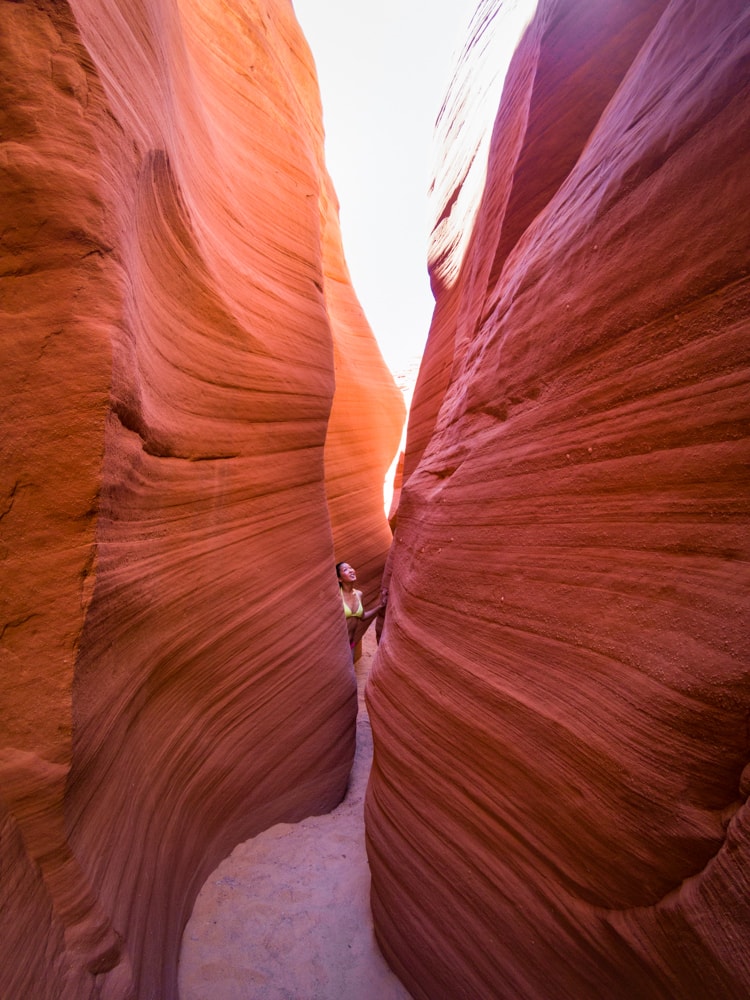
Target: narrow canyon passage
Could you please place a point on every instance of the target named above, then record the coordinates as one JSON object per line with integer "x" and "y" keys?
{"x": 197, "y": 425}
{"x": 286, "y": 915}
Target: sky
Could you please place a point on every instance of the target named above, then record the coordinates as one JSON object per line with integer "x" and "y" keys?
{"x": 383, "y": 68}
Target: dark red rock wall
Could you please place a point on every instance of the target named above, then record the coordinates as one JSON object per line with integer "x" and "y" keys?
{"x": 176, "y": 674}
{"x": 561, "y": 700}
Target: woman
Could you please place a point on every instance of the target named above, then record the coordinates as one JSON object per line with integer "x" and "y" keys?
{"x": 357, "y": 619}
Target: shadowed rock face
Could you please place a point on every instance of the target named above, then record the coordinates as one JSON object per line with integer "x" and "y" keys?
{"x": 179, "y": 323}
{"x": 561, "y": 699}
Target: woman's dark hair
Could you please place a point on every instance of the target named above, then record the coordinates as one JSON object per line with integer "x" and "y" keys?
{"x": 338, "y": 575}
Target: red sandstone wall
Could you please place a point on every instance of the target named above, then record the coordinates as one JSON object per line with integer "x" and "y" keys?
{"x": 175, "y": 670}
{"x": 560, "y": 703}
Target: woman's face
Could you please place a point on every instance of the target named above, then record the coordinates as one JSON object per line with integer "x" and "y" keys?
{"x": 346, "y": 572}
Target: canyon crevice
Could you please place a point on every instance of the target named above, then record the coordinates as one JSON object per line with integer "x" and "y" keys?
{"x": 561, "y": 698}
{"x": 197, "y": 425}
{"x": 182, "y": 465}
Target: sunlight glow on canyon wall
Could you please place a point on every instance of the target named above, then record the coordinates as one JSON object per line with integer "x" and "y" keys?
{"x": 198, "y": 423}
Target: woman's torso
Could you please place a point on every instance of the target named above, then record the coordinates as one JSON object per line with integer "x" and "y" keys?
{"x": 353, "y": 607}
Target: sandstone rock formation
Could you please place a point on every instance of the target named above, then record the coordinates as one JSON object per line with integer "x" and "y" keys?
{"x": 561, "y": 700}
{"x": 175, "y": 670}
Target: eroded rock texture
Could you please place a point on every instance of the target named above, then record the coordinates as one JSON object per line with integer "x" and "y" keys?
{"x": 561, "y": 701}
{"x": 176, "y": 313}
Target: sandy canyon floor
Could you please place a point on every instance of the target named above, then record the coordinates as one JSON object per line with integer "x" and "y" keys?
{"x": 286, "y": 916}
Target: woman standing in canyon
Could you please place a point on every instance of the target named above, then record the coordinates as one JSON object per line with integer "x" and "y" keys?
{"x": 357, "y": 619}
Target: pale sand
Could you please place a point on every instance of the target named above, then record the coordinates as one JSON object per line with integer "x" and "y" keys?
{"x": 286, "y": 916}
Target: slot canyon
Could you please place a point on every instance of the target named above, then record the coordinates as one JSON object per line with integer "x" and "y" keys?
{"x": 197, "y": 426}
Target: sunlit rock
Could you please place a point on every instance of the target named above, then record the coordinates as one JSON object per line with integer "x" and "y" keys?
{"x": 177, "y": 316}
{"x": 561, "y": 696}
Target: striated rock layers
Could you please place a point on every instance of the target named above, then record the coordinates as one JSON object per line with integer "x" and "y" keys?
{"x": 561, "y": 701}
{"x": 176, "y": 312}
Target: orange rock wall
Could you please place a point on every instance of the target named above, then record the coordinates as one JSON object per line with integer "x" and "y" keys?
{"x": 176, "y": 674}
{"x": 560, "y": 702}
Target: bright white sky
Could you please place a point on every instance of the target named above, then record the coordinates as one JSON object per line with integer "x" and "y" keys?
{"x": 384, "y": 67}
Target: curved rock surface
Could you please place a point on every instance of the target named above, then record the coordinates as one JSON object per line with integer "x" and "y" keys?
{"x": 176, "y": 675}
{"x": 560, "y": 703}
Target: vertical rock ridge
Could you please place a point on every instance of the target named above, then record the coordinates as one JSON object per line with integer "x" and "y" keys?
{"x": 561, "y": 696}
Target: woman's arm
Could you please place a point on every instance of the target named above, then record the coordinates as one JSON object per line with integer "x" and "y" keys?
{"x": 369, "y": 615}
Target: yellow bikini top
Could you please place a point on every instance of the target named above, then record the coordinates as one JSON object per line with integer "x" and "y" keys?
{"x": 348, "y": 613}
